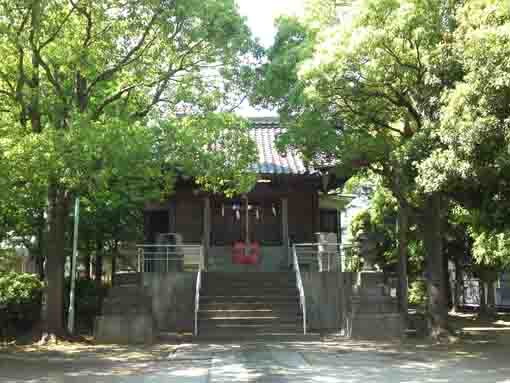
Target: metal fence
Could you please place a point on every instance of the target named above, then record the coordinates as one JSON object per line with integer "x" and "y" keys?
{"x": 166, "y": 258}
{"x": 469, "y": 295}
{"x": 319, "y": 256}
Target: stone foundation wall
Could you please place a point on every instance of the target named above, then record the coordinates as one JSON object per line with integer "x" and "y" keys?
{"x": 373, "y": 313}
{"x": 353, "y": 304}
{"x": 173, "y": 299}
{"x": 327, "y": 299}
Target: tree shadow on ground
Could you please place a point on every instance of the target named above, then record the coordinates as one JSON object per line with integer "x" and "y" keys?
{"x": 476, "y": 357}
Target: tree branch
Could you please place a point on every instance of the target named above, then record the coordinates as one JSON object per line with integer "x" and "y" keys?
{"x": 398, "y": 60}
{"x": 88, "y": 29}
{"x": 49, "y": 75}
{"x": 114, "y": 97}
{"x": 127, "y": 58}
{"x": 59, "y": 28}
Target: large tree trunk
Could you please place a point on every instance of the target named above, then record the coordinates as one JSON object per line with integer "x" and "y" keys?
{"x": 491, "y": 299}
{"x": 447, "y": 284}
{"x": 87, "y": 262}
{"x": 403, "y": 230}
{"x": 481, "y": 297}
{"x": 39, "y": 260}
{"x": 436, "y": 289}
{"x": 98, "y": 272}
{"x": 114, "y": 265}
{"x": 57, "y": 212}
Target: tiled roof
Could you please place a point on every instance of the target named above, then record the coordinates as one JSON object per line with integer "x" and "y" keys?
{"x": 264, "y": 131}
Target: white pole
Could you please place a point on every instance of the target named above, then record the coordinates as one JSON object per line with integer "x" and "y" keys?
{"x": 70, "y": 318}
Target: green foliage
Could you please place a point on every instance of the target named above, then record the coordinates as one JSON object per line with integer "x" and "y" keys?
{"x": 81, "y": 86}
{"x": 277, "y": 82}
{"x": 473, "y": 161}
{"x": 19, "y": 289}
{"x": 370, "y": 87}
{"x": 378, "y": 221}
{"x": 88, "y": 297}
{"x": 20, "y": 301}
{"x": 102, "y": 69}
{"x": 8, "y": 260}
{"x": 492, "y": 249}
{"x": 361, "y": 222}
{"x": 214, "y": 148}
{"x": 418, "y": 293}
{"x": 352, "y": 260}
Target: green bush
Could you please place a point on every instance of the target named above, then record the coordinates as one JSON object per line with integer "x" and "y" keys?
{"x": 20, "y": 301}
{"x": 88, "y": 299}
{"x": 19, "y": 289}
{"x": 417, "y": 293}
{"x": 8, "y": 260}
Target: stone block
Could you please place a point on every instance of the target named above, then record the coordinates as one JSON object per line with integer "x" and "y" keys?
{"x": 124, "y": 329}
{"x": 375, "y": 326}
{"x": 373, "y": 314}
{"x": 370, "y": 280}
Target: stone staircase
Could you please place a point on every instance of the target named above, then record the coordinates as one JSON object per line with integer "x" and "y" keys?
{"x": 249, "y": 305}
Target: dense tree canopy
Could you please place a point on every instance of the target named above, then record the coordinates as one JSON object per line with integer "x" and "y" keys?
{"x": 84, "y": 86}
{"x": 371, "y": 79}
{"x": 414, "y": 91}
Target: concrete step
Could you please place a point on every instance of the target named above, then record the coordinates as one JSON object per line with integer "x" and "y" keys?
{"x": 236, "y": 314}
{"x": 249, "y": 276}
{"x": 249, "y": 291}
{"x": 250, "y": 325}
{"x": 250, "y": 282}
{"x": 249, "y": 305}
{"x": 126, "y": 300}
{"x": 265, "y": 335}
{"x": 127, "y": 291}
{"x": 126, "y": 309}
{"x": 267, "y": 322}
{"x": 127, "y": 279}
{"x": 283, "y": 305}
{"x": 249, "y": 298}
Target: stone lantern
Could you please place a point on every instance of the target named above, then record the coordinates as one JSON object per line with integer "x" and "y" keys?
{"x": 367, "y": 249}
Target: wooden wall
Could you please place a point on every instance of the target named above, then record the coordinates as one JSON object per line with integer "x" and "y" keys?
{"x": 189, "y": 212}
{"x": 185, "y": 213}
{"x": 303, "y": 216}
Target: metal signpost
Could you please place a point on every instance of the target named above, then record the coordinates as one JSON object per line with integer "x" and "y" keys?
{"x": 74, "y": 258}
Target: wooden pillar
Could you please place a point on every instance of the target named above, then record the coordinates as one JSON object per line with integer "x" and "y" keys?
{"x": 316, "y": 215}
{"x": 172, "y": 219}
{"x": 285, "y": 225}
{"x": 146, "y": 227}
{"x": 206, "y": 237}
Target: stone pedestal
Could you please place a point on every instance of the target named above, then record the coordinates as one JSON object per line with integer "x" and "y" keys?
{"x": 126, "y": 317}
{"x": 374, "y": 314}
{"x": 132, "y": 328}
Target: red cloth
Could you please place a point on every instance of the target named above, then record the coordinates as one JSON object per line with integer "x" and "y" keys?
{"x": 239, "y": 257}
